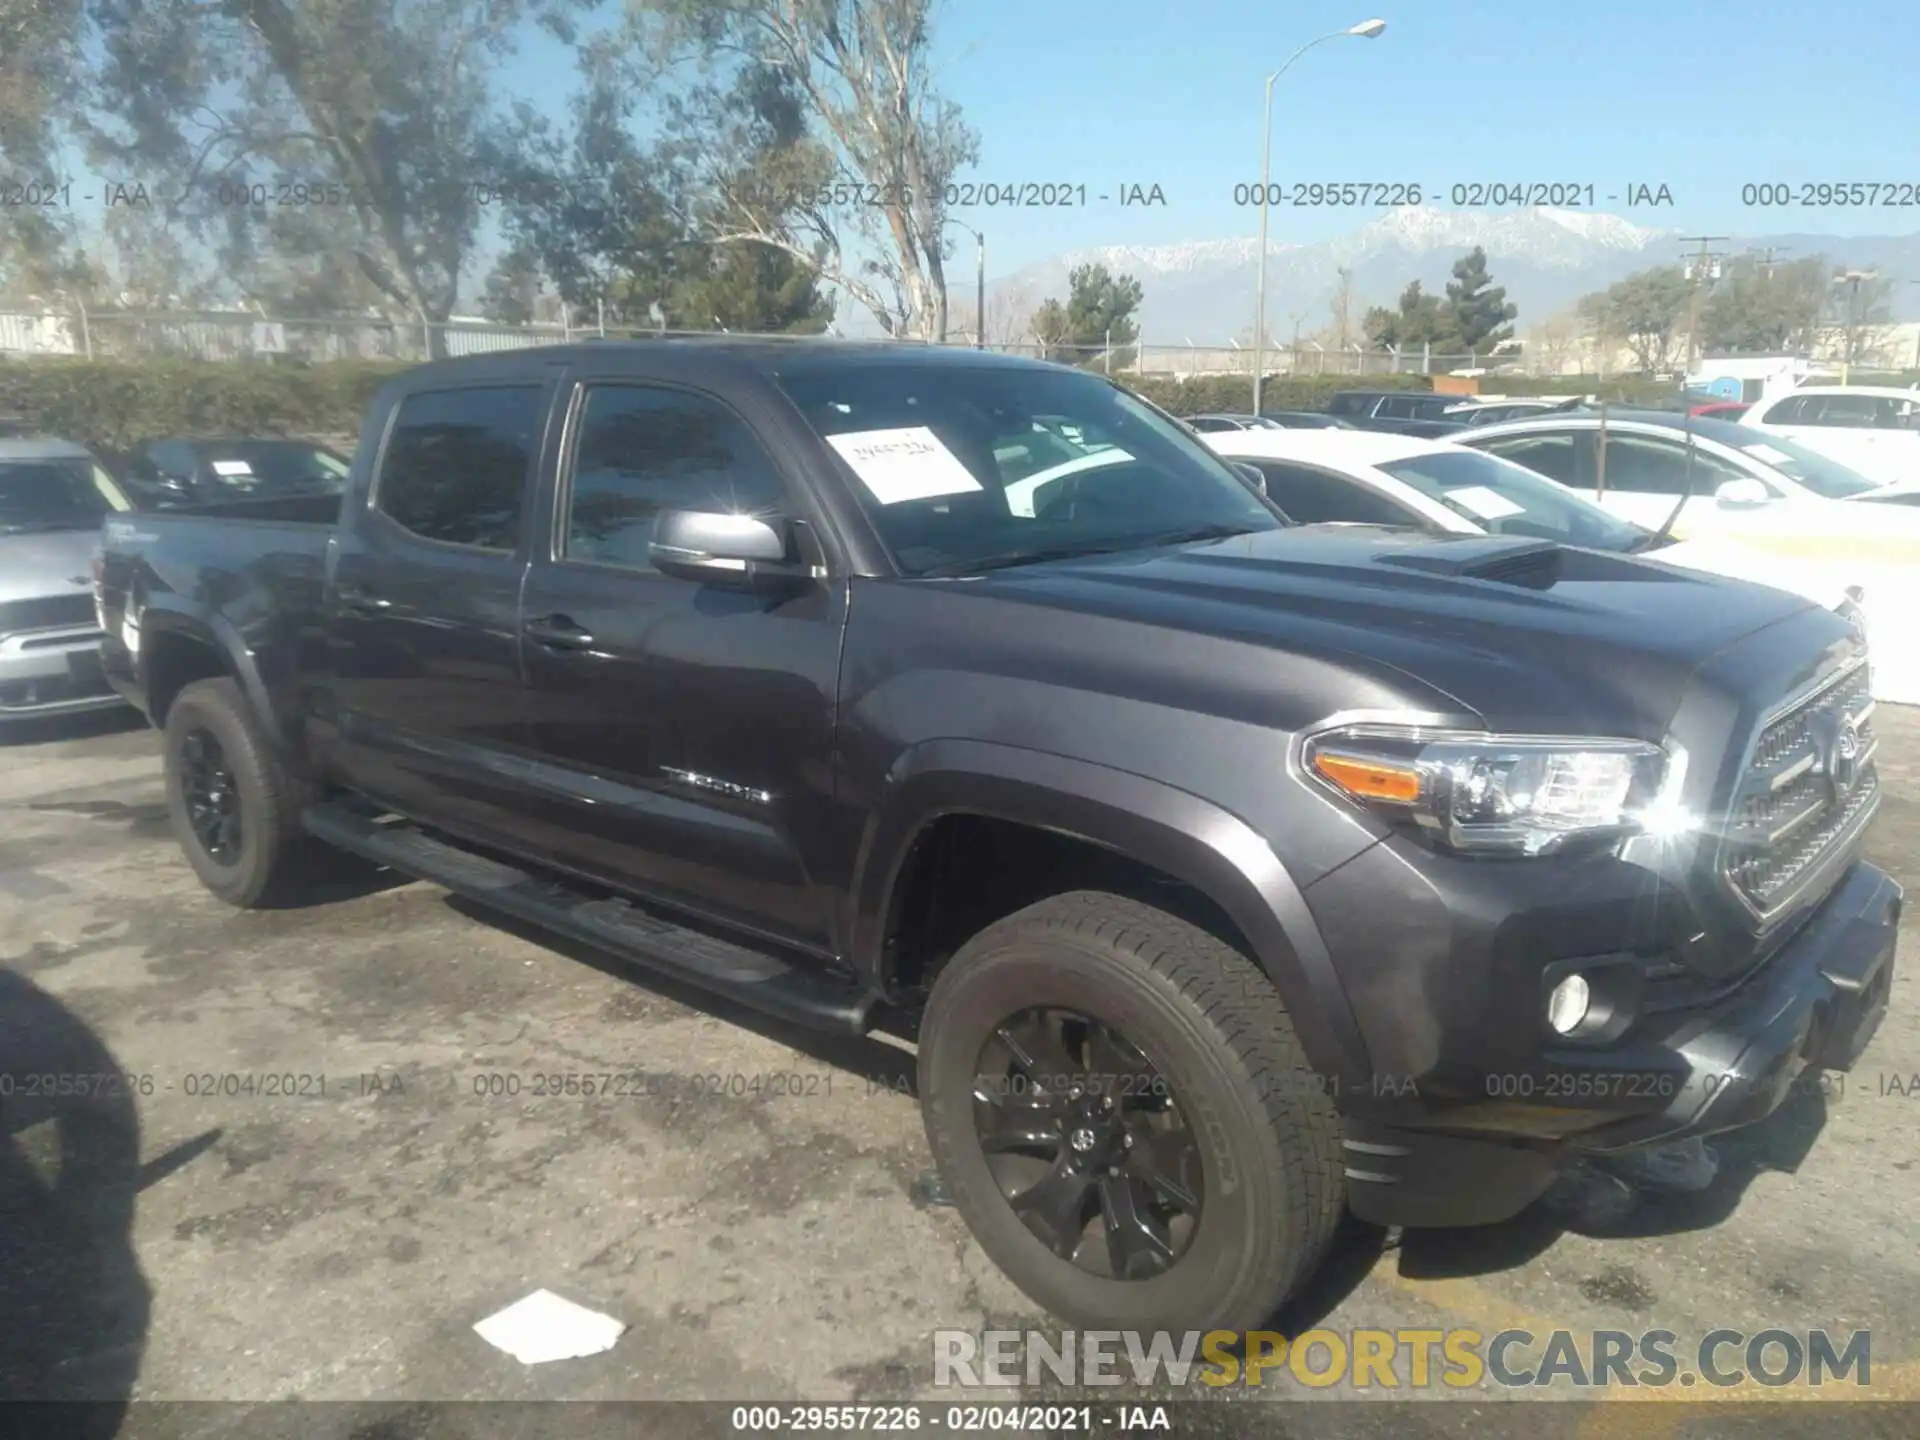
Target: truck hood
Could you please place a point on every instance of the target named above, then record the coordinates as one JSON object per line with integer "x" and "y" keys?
{"x": 1528, "y": 635}
{"x": 38, "y": 565}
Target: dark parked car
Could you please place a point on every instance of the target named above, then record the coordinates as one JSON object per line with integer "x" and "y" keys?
{"x": 1401, "y": 412}
{"x": 1267, "y": 420}
{"x": 1495, "y": 412}
{"x": 172, "y": 473}
{"x": 1229, "y": 873}
{"x": 1217, "y": 423}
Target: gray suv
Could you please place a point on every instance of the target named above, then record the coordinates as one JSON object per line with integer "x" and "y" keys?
{"x": 53, "y": 496}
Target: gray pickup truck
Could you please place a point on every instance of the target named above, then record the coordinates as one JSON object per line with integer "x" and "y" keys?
{"x": 53, "y": 496}
{"x": 1230, "y": 874}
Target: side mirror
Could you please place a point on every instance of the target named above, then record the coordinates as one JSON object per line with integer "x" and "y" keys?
{"x": 1743, "y": 494}
{"x": 1255, "y": 477}
{"x": 735, "y": 551}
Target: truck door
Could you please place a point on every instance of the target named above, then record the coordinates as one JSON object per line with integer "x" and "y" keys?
{"x": 684, "y": 731}
{"x": 423, "y": 604}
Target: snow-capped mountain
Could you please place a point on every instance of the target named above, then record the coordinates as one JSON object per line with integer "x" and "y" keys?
{"x": 1201, "y": 291}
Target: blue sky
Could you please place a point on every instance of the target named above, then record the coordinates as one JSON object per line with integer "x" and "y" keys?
{"x": 1701, "y": 98}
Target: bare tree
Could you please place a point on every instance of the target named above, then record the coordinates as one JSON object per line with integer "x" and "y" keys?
{"x": 890, "y": 144}
{"x": 1861, "y": 317}
{"x": 1553, "y": 342}
{"x": 1008, "y": 323}
{"x": 1341, "y": 327}
{"x": 379, "y": 111}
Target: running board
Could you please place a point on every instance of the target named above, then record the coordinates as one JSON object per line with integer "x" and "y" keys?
{"x": 752, "y": 977}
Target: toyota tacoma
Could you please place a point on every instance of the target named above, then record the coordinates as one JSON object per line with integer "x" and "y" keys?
{"x": 1228, "y": 873}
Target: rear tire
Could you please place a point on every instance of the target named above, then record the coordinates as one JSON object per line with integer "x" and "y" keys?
{"x": 234, "y": 806}
{"x": 1206, "y": 1022}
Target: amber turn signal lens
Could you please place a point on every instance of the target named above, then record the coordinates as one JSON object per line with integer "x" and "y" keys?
{"x": 1369, "y": 779}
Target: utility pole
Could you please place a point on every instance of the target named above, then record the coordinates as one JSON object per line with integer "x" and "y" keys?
{"x": 980, "y": 291}
{"x": 1851, "y": 336}
{"x": 1701, "y": 271}
{"x": 1916, "y": 336}
{"x": 1767, "y": 256}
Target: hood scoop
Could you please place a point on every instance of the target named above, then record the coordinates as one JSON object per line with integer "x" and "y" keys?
{"x": 1531, "y": 564}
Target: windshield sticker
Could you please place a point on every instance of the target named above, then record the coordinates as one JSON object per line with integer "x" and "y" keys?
{"x": 232, "y": 467}
{"x": 1768, "y": 454}
{"x": 905, "y": 464}
{"x": 1487, "y": 504}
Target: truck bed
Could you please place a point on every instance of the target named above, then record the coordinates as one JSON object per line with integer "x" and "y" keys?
{"x": 258, "y": 566}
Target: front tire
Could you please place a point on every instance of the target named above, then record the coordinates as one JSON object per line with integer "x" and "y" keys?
{"x": 234, "y": 806}
{"x": 1093, "y": 1064}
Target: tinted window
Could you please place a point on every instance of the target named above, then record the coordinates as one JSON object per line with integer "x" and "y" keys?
{"x": 1554, "y": 456}
{"x": 56, "y": 494}
{"x": 1638, "y": 466}
{"x": 1790, "y": 411}
{"x": 1398, "y": 407}
{"x": 1817, "y": 472}
{"x": 1313, "y": 497}
{"x": 242, "y": 469}
{"x": 456, "y": 464}
{"x": 173, "y": 458}
{"x": 918, "y": 443}
{"x": 1348, "y": 403}
{"x": 1857, "y": 412}
{"x": 1209, "y": 426}
{"x": 643, "y": 450}
{"x": 1503, "y": 499}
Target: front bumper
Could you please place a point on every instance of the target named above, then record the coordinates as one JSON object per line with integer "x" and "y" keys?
{"x": 1814, "y": 1006}
{"x": 53, "y": 672}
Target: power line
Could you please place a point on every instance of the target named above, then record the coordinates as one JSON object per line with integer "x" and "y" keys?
{"x": 1701, "y": 271}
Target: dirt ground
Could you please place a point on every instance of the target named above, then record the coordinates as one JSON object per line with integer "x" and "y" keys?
{"x": 332, "y": 1234}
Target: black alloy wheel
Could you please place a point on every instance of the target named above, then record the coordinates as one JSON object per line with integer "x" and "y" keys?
{"x": 1088, "y": 1143}
{"x": 212, "y": 797}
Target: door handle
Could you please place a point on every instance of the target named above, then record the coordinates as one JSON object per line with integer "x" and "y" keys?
{"x": 558, "y": 632}
{"x": 356, "y": 599}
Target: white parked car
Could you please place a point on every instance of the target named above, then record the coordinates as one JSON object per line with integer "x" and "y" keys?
{"x": 1447, "y": 488}
{"x": 1873, "y": 429}
{"x": 1734, "y": 478}
{"x": 1767, "y": 503}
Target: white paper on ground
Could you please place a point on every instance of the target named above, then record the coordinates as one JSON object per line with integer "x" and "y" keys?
{"x": 1487, "y": 504}
{"x": 232, "y": 467}
{"x": 546, "y": 1327}
{"x": 905, "y": 464}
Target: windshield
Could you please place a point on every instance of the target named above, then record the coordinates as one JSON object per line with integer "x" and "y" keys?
{"x": 1503, "y": 498}
{"x": 251, "y": 468}
{"x": 1827, "y": 478}
{"x": 58, "y": 494}
{"x": 971, "y": 467}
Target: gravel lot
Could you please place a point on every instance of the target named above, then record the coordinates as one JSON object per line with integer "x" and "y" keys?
{"x": 759, "y": 1234}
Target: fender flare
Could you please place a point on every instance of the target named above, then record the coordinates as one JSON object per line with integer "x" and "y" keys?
{"x": 164, "y": 615}
{"x": 1195, "y": 841}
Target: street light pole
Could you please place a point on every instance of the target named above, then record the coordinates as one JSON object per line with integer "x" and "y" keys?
{"x": 980, "y": 292}
{"x": 1367, "y": 29}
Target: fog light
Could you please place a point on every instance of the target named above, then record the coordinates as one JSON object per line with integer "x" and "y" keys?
{"x": 1567, "y": 1005}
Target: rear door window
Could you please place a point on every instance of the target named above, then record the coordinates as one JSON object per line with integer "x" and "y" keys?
{"x": 456, "y": 464}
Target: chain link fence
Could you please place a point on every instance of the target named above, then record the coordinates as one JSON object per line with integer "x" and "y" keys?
{"x": 120, "y": 334}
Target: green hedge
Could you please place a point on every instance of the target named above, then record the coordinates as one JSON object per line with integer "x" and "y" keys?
{"x": 122, "y": 404}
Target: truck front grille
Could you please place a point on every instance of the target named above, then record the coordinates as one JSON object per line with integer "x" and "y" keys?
{"x": 46, "y": 612}
{"x": 1809, "y": 785}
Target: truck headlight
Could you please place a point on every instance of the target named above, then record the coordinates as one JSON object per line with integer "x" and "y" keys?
{"x": 1499, "y": 794}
